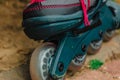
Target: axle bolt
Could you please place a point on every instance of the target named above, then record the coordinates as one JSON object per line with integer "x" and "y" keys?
{"x": 84, "y": 48}
{"x": 101, "y": 33}
{"x": 61, "y": 67}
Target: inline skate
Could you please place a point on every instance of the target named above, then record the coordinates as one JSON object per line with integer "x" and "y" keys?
{"x": 70, "y": 29}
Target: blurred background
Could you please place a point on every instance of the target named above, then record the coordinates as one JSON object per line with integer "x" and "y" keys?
{"x": 15, "y": 46}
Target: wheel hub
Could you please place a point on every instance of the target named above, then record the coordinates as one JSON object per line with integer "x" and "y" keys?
{"x": 96, "y": 44}
{"x": 78, "y": 60}
{"x": 47, "y": 59}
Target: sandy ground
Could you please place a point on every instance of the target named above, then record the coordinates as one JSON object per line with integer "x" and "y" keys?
{"x": 14, "y": 45}
{"x": 109, "y": 71}
{"x": 118, "y": 1}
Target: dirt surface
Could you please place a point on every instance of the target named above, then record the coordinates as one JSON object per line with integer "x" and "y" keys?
{"x": 14, "y": 45}
{"x": 109, "y": 71}
{"x": 118, "y": 1}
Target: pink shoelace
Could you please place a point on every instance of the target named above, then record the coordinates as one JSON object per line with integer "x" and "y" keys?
{"x": 85, "y": 13}
{"x": 34, "y": 1}
{"x": 84, "y": 8}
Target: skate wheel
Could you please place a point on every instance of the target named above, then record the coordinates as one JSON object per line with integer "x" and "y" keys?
{"x": 94, "y": 47}
{"x": 108, "y": 35}
{"x": 77, "y": 63}
{"x": 41, "y": 61}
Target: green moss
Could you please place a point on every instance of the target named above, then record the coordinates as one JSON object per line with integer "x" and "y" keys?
{"x": 95, "y": 64}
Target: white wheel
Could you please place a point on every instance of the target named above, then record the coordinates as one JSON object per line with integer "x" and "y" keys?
{"x": 41, "y": 61}
{"x": 94, "y": 47}
{"x": 108, "y": 35}
{"x": 77, "y": 63}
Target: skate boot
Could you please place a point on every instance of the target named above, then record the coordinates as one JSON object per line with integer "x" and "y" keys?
{"x": 39, "y": 14}
{"x": 67, "y": 27}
